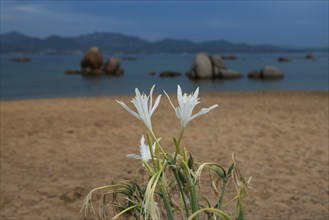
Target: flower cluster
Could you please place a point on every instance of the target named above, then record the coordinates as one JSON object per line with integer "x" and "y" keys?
{"x": 186, "y": 105}
{"x": 171, "y": 176}
{"x": 183, "y": 111}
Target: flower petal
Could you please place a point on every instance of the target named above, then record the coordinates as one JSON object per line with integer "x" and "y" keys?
{"x": 137, "y": 92}
{"x": 128, "y": 109}
{"x": 157, "y": 101}
{"x": 203, "y": 111}
{"x": 134, "y": 156}
{"x": 196, "y": 93}
{"x": 151, "y": 94}
{"x": 169, "y": 100}
{"x": 142, "y": 140}
{"x": 179, "y": 92}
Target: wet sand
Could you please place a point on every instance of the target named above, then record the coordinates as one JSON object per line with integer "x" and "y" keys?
{"x": 53, "y": 151}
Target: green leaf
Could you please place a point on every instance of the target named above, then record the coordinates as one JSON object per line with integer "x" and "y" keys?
{"x": 190, "y": 161}
{"x": 219, "y": 170}
{"x": 176, "y": 142}
{"x": 240, "y": 216}
{"x": 170, "y": 160}
{"x": 122, "y": 212}
{"x": 176, "y": 146}
{"x": 230, "y": 169}
{"x": 127, "y": 192}
{"x": 204, "y": 198}
{"x": 182, "y": 177}
{"x": 130, "y": 188}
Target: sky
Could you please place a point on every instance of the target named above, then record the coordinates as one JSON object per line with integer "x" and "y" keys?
{"x": 295, "y": 23}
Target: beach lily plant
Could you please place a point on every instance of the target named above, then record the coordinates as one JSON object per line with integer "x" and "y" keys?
{"x": 174, "y": 183}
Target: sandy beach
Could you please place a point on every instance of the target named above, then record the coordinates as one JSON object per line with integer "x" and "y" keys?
{"x": 54, "y": 151}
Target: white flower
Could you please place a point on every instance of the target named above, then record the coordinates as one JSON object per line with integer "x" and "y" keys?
{"x": 144, "y": 112}
{"x": 144, "y": 151}
{"x": 186, "y": 105}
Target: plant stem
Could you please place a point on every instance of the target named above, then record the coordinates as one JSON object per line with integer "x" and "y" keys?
{"x": 193, "y": 194}
{"x": 180, "y": 138}
{"x": 151, "y": 151}
{"x": 236, "y": 197}
{"x": 166, "y": 202}
{"x": 181, "y": 191}
{"x": 194, "y": 200}
{"x": 158, "y": 144}
{"x": 178, "y": 151}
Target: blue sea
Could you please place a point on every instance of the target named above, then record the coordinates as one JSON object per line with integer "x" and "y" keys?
{"x": 44, "y": 76}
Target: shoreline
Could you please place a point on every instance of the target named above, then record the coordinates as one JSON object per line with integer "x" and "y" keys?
{"x": 54, "y": 151}
{"x": 170, "y": 93}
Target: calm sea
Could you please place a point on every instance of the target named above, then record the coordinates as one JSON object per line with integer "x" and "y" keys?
{"x": 44, "y": 76}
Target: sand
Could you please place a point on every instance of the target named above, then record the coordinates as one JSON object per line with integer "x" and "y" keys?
{"x": 53, "y": 151}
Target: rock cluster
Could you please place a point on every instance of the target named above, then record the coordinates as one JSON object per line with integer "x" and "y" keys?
{"x": 309, "y": 57}
{"x": 92, "y": 64}
{"x": 169, "y": 73}
{"x": 206, "y": 66}
{"x": 21, "y": 59}
{"x": 283, "y": 59}
{"x": 267, "y": 72}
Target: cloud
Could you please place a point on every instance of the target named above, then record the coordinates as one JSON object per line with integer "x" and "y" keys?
{"x": 39, "y": 9}
{"x": 12, "y": 12}
{"x": 44, "y": 20}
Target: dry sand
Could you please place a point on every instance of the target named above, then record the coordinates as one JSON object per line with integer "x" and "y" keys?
{"x": 53, "y": 151}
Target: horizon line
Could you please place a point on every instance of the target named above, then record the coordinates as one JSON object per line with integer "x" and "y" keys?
{"x": 165, "y": 38}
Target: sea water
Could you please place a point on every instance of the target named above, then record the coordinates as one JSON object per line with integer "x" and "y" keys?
{"x": 43, "y": 76}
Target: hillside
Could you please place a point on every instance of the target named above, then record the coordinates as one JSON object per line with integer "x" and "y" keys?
{"x": 15, "y": 42}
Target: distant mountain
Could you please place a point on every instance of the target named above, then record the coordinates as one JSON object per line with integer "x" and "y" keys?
{"x": 111, "y": 42}
{"x": 15, "y": 42}
{"x": 171, "y": 46}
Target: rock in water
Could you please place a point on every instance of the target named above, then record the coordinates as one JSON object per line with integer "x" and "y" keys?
{"x": 201, "y": 67}
{"x": 217, "y": 64}
{"x": 97, "y": 72}
{"x": 254, "y": 74}
{"x": 165, "y": 74}
{"x": 206, "y": 66}
{"x": 229, "y": 74}
{"x": 92, "y": 59}
{"x": 21, "y": 59}
{"x": 92, "y": 64}
{"x": 283, "y": 59}
{"x": 217, "y": 61}
{"x": 86, "y": 71}
{"x": 271, "y": 72}
{"x": 113, "y": 67}
{"x": 309, "y": 57}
